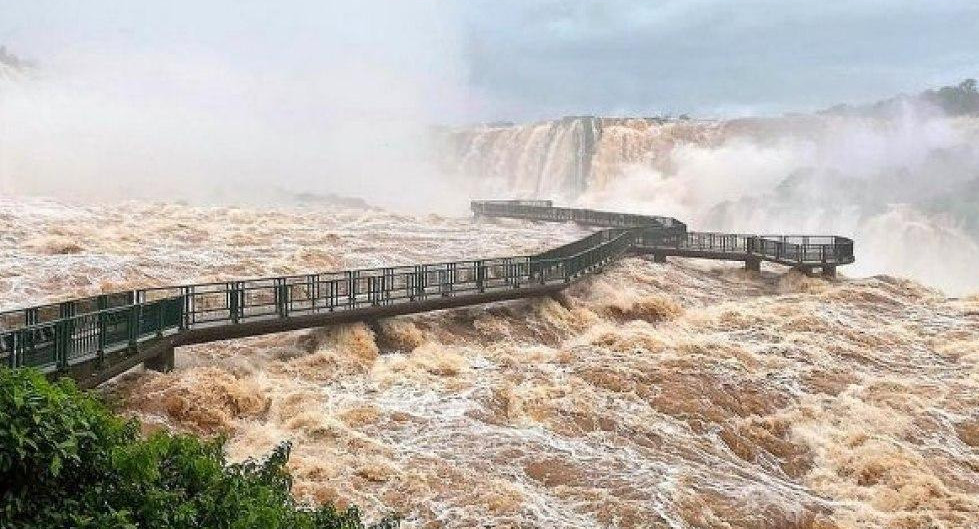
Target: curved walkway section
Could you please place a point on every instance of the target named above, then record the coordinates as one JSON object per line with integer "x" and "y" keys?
{"x": 663, "y": 236}
{"x": 94, "y": 339}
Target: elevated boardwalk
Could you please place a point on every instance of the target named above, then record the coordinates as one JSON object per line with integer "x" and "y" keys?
{"x": 94, "y": 339}
{"x": 666, "y": 236}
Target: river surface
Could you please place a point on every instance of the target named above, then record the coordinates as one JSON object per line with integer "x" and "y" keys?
{"x": 686, "y": 394}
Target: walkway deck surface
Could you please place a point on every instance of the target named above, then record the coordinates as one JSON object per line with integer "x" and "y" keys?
{"x": 94, "y": 339}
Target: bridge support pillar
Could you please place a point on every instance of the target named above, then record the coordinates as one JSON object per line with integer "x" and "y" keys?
{"x": 659, "y": 257}
{"x": 752, "y": 264}
{"x": 828, "y": 271}
{"x": 162, "y": 362}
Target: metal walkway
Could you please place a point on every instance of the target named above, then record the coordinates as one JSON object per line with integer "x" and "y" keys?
{"x": 94, "y": 339}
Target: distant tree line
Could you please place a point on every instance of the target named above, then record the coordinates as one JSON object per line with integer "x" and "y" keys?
{"x": 958, "y": 100}
{"x": 955, "y": 100}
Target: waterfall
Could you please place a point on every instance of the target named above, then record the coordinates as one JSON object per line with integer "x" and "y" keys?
{"x": 561, "y": 159}
{"x": 551, "y": 158}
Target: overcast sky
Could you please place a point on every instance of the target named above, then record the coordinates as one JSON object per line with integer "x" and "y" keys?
{"x": 502, "y": 59}
{"x": 715, "y": 56}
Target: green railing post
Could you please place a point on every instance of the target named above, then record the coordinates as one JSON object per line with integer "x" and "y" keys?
{"x": 351, "y": 289}
{"x": 282, "y": 297}
{"x": 480, "y": 275}
{"x": 61, "y": 344}
{"x": 313, "y": 290}
{"x": 386, "y": 285}
{"x": 132, "y": 324}
{"x": 371, "y": 287}
{"x": 182, "y": 323}
{"x": 102, "y": 304}
{"x": 420, "y": 281}
{"x": 442, "y": 280}
{"x": 234, "y": 301}
{"x": 20, "y": 343}
{"x": 160, "y": 320}
{"x": 13, "y": 345}
{"x": 411, "y": 284}
{"x": 449, "y": 279}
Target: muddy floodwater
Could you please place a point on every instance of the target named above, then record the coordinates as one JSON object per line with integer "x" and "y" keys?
{"x": 686, "y": 394}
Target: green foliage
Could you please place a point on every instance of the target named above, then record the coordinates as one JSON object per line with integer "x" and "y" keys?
{"x": 66, "y": 461}
{"x": 956, "y": 100}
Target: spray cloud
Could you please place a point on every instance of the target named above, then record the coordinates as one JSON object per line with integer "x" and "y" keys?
{"x": 230, "y": 101}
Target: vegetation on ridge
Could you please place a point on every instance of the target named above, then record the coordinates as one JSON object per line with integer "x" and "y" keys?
{"x": 959, "y": 100}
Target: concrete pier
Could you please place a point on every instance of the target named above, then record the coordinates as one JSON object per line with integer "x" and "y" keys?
{"x": 752, "y": 264}
{"x": 163, "y": 362}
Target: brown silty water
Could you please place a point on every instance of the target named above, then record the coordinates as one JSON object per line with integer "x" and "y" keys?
{"x": 690, "y": 394}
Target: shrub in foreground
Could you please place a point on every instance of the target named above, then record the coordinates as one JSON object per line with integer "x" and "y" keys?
{"x": 67, "y": 461}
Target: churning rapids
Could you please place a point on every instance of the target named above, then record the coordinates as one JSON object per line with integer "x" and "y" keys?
{"x": 690, "y": 394}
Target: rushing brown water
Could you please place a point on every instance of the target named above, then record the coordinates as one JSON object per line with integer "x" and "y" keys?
{"x": 690, "y": 394}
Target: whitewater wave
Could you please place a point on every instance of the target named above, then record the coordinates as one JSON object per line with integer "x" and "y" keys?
{"x": 686, "y": 394}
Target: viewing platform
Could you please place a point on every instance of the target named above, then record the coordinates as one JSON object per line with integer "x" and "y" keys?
{"x": 94, "y": 339}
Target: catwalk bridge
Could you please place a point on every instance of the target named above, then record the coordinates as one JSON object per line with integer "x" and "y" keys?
{"x": 94, "y": 339}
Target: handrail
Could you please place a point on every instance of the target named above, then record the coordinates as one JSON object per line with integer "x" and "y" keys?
{"x": 100, "y": 328}
{"x": 90, "y": 305}
{"x": 667, "y": 233}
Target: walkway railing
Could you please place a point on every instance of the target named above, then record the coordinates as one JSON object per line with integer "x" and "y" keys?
{"x": 105, "y": 330}
{"x": 666, "y": 233}
{"x": 804, "y": 249}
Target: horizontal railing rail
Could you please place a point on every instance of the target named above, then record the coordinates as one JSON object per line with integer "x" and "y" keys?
{"x": 608, "y": 219}
{"x": 109, "y": 328}
{"x": 13, "y": 319}
{"x": 60, "y": 343}
{"x": 207, "y": 292}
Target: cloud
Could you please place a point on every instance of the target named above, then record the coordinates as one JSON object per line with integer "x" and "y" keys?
{"x": 547, "y": 58}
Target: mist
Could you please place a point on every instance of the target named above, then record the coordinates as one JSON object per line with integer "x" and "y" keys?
{"x": 901, "y": 186}
{"x": 236, "y": 102}
{"x": 231, "y": 102}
